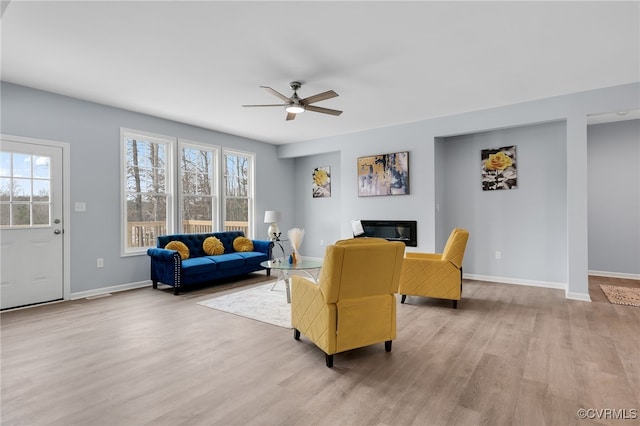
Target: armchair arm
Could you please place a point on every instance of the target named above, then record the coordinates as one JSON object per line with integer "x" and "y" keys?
{"x": 428, "y": 256}
{"x": 311, "y": 315}
{"x": 425, "y": 276}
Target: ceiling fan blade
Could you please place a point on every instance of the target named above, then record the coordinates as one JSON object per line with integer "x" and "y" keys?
{"x": 267, "y": 105}
{"x": 322, "y": 110}
{"x": 291, "y": 116}
{"x": 319, "y": 97}
{"x": 276, "y": 93}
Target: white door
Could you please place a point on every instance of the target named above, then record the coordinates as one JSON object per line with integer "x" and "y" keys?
{"x": 31, "y": 224}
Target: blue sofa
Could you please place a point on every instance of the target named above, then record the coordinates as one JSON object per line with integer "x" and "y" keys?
{"x": 168, "y": 267}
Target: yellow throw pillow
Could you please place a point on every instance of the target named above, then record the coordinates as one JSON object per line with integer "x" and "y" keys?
{"x": 180, "y": 247}
{"x": 242, "y": 244}
{"x": 212, "y": 246}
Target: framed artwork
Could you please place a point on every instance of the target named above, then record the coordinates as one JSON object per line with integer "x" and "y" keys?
{"x": 321, "y": 185}
{"x": 386, "y": 174}
{"x": 499, "y": 168}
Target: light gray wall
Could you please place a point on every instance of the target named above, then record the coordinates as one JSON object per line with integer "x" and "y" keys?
{"x": 317, "y": 215}
{"x": 527, "y": 225}
{"x": 420, "y": 139}
{"x": 614, "y": 198}
{"x": 93, "y": 133}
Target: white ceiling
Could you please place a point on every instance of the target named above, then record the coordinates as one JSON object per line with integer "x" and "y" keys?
{"x": 390, "y": 62}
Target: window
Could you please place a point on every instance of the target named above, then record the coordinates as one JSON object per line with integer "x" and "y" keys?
{"x": 172, "y": 185}
{"x": 238, "y": 191}
{"x": 148, "y": 188}
{"x": 198, "y": 187}
{"x": 25, "y": 189}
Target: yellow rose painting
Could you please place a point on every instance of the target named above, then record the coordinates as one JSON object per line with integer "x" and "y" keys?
{"x": 321, "y": 182}
{"x": 499, "y": 168}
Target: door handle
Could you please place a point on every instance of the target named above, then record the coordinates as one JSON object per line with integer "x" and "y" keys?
{"x": 57, "y": 231}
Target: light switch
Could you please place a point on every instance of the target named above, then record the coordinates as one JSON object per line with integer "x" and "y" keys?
{"x": 81, "y": 206}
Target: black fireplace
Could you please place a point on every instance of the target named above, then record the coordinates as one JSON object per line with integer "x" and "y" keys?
{"x": 392, "y": 230}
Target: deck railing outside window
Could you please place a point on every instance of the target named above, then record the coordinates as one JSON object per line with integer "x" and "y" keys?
{"x": 144, "y": 234}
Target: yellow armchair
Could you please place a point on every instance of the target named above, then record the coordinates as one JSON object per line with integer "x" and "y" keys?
{"x": 437, "y": 275}
{"x": 353, "y": 304}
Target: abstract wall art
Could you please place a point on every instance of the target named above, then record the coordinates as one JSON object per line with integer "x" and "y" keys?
{"x": 385, "y": 174}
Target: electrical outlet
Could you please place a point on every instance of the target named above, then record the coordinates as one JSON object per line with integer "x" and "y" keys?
{"x": 498, "y": 255}
{"x": 100, "y": 262}
{"x": 321, "y": 242}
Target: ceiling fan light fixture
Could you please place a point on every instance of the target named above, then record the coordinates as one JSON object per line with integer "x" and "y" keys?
{"x": 295, "y": 109}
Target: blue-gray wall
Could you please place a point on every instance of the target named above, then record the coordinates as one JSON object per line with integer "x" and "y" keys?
{"x": 567, "y": 235}
{"x": 93, "y": 134}
{"x": 324, "y": 229}
{"x": 284, "y": 180}
{"x": 527, "y": 225}
{"x": 614, "y": 198}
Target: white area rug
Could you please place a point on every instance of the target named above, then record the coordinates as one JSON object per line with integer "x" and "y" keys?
{"x": 259, "y": 303}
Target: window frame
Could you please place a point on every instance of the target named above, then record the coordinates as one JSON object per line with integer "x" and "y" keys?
{"x": 215, "y": 185}
{"x": 170, "y": 185}
{"x": 250, "y": 190}
{"x": 173, "y": 185}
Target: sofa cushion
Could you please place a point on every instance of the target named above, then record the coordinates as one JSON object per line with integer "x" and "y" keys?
{"x": 180, "y": 247}
{"x": 252, "y": 257}
{"x": 197, "y": 266}
{"x": 242, "y": 244}
{"x": 227, "y": 261}
{"x": 212, "y": 246}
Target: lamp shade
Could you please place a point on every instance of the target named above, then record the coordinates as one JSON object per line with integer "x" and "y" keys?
{"x": 272, "y": 216}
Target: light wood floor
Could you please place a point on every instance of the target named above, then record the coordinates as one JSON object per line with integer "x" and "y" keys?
{"x": 509, "y": 355}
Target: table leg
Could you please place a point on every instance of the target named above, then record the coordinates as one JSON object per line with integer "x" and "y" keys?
{"x": 282, "y": 275}
{"x": 287, "y": 282}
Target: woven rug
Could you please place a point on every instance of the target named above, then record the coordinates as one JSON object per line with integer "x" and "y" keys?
{"x": 621, "y": 295}
{"x": 264, "y": 303}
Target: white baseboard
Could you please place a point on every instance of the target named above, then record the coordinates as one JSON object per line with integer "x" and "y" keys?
{"x": 578, "y": 296}
{"x": 615, "y": 275}
{"x": 544, "y": 284}
{"x": 516, "y": 281}
{"x": 108, "y": 290}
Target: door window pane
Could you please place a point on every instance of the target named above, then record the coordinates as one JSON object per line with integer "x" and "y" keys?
{"x": 41, "y": 214}
{"x": 25, "y": 180}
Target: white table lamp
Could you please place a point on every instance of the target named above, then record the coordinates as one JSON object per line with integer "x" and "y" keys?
{"x": 273, "y": 217}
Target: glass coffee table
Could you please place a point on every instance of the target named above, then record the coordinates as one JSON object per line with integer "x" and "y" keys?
{"x": 284, "y": 268}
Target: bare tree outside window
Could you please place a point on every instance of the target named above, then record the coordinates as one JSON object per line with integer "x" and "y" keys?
{"x": 238, "y": 191}
{"x": 198, "y": 195}
{"x": 163, "y": 175}
{"x": 146, "y": 191}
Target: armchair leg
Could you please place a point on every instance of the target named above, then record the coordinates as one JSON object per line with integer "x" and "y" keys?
{"x": 296, "y": 334}
{"x": 329, "y": 360}
{"x": 155, "y": 284}
{"x": 176, "y": 291}
{"x": 455, "y": 304}
{"x": 404, "y": 297}
{"x": 387, "y": 345}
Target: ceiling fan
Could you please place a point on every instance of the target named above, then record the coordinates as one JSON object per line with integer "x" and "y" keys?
{"x": 294, "y": 105}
